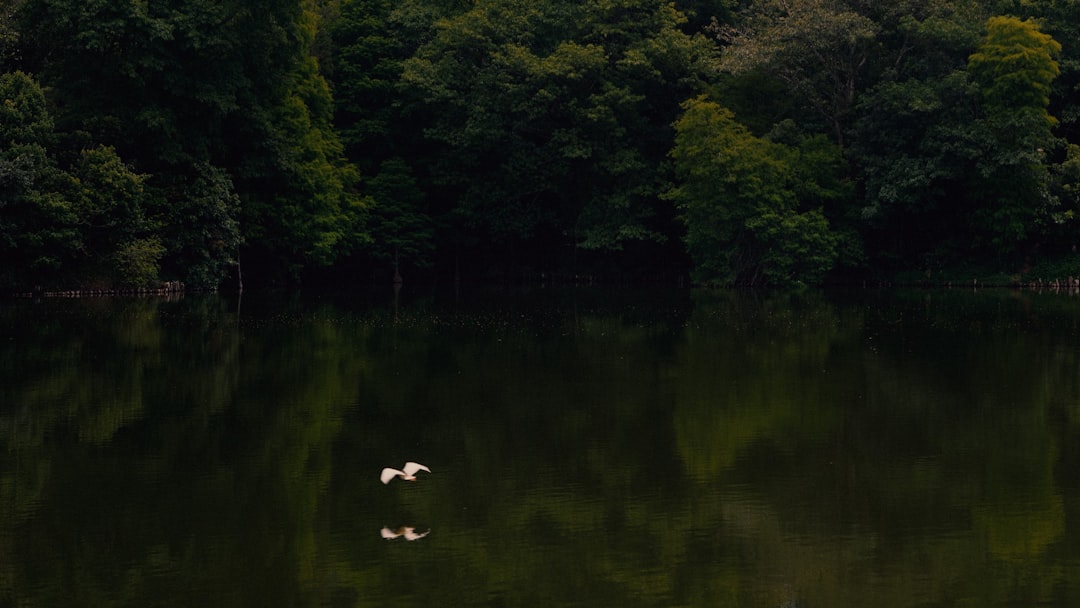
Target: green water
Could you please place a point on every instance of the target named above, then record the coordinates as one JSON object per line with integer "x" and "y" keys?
{"x": 587, "y": 448}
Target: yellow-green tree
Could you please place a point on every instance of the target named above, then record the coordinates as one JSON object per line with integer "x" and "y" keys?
{"x": 1013, "y": 70}
{"x": 751, "y": 214}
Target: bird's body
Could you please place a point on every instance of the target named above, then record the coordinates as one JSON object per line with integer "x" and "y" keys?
{"x": 408, "y": 473}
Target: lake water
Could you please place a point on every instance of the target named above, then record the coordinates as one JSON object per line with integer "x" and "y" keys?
{"x": 587, "y": 448}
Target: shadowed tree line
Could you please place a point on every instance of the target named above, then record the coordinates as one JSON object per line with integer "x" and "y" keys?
{"x": 757, "y": 142}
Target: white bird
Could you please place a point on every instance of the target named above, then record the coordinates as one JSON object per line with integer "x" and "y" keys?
{"x": 407, "y": 531}
{"x": 408, "y": 473}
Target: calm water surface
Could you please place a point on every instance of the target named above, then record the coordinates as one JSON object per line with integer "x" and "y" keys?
{"x": 587, "y": 447}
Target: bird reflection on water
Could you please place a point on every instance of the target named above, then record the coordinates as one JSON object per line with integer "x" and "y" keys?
{"x": 406, "y": 532}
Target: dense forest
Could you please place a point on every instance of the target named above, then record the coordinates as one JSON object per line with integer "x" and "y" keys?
{"x": 753, "y": 142}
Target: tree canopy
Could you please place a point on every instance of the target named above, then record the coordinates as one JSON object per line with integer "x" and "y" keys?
{"x": 758, "y": 142}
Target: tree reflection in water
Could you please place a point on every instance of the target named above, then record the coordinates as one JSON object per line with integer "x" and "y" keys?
{"x": 594, "y": 449}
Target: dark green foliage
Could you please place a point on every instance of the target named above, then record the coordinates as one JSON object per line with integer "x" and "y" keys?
{"x": 37, "y": 218}
{"x": 110, "y": 205}
{"x": 199, "y": 227}
{"x": 216, "y": 102}
{"x": 369, "y": 50}
{"x": 170, "y": 140}
{"x": 86, "y": 223}
{"x": 954, "y": 141}
{"x": 532, "y": 131}
{"x": 401, "y": 229}
{"x": 555, "y": 119}
{"x": 24, "y": 117}
{"x": 916, "y": 144}
{"x": 300, "y": 207}
{"x": 818, "y": 49}
{"x": 9, "y": 35}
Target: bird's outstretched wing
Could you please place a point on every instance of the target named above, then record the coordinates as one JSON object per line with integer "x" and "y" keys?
{"x": 389, "y": 534}
{"x": 412, "y": 467}
{"x": 412, "y": 534}
{"x": 388, "y": 474}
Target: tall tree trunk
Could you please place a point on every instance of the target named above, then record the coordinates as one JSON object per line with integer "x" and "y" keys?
{"x": 397, "y": 269}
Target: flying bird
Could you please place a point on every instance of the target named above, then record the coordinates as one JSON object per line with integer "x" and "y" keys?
{"x": 408, "y": 473}
{"x": 408, "y": 532}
